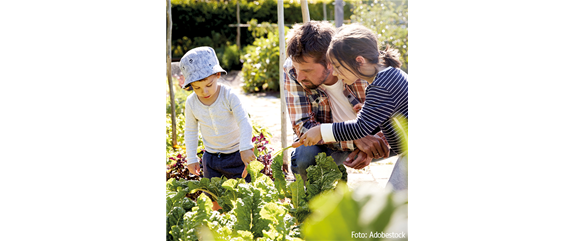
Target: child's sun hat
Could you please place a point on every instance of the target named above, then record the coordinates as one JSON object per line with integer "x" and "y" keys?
{"x": 199, "y": 63}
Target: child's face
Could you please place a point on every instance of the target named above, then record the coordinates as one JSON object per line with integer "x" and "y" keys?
{"x": 343, "y": 74}
{"x": 206, "y": 89}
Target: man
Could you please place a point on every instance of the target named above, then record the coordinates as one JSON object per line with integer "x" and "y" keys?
{"x": 314, "y": 96}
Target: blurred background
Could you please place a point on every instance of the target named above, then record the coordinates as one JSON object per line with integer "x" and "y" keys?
{"x": 245, "y": 34}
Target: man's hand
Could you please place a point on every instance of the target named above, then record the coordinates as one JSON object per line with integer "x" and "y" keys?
{"x": 194, "y": 168}
{"x": 312, "y": 136}
{"x": 373, "y": 146}
{"x": 247, "y": 156}
{"x": 357, "y": 159}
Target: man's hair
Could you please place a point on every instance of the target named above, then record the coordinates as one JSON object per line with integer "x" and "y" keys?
{"x": 311, "y": 39}
{"x": 354, "y": 40}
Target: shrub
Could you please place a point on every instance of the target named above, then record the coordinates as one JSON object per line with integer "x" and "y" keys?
{"x": 261, "y": 62}
{"x": 389, "y": 21}
{"x": 230, "y": 58}
{"x": 206, "y": 23}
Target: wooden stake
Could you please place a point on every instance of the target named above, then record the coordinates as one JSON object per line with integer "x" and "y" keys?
{"x": 281, "y": 26}
{"x": 171, "y": 94}
{"x": 305, "y": 11}
{"x": 339, "y": 13}
{"x": 238, "y": 39}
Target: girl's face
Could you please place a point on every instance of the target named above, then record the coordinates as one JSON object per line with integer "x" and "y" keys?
{"x": 206, "y": 89}
{"x": 342, "y": 73}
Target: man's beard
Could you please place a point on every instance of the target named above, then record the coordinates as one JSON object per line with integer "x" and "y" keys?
{"x": 312, "y": 86}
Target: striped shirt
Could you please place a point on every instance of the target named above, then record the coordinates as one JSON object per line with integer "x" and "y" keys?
{"x": 387, "y": 97}
{"x": 308, "y": 108}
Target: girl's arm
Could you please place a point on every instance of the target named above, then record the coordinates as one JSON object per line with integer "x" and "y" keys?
{"x": 378, "y": 108}
{"x": 190, "y": 133}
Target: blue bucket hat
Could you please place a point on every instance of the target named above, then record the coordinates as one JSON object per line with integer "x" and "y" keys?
{"x": 199, "y": 63}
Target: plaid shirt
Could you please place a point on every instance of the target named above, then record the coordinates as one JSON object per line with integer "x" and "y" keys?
{"x": 308, "y": 108}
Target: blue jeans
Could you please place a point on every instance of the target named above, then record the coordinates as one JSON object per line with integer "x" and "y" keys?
{"x": 223, "y": 165}
{"x": 304, "y": 156}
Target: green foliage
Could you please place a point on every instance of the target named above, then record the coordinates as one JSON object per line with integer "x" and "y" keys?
{"x": 401, "y": 126}
{"x": 206, "y": 23}
{"x": 254, "y": 169}
{"x": 278, "y": 176}
{"x": 250, "y": 211}
{"x": 179, "y": 125}
{"x": 368, "y": 209}
{"x": 230, "y": 57}
{"x": 389, "y": 21}
{"x": 261, "y": 62}
{"x": 322, "y": 177}
{"x": 177, "y": 204}
{"x": 299, "y": 199}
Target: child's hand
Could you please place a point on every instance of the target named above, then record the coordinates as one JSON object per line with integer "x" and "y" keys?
{"x": 247, "y": 156}
{"x": 194, "y": 168}
{"x": 312, "y": 136}
{"x": 358, "y": 107}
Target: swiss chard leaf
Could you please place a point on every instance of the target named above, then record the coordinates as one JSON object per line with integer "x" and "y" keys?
{"x": 367, "y": 209}
{"x": 254, "y": 169}
{"x": 298, "y": 199}
{"x": 259, "y": 223}
{"x": 280, "y": 182}
{"x": 280, "y": 223}
{"x": 297, "y": 191}
{"x": 227, "y": 199}
{"x": 343, "y": 172}
{"x": 323, "y": 176}
{"x": 211, "y": 186}
{"x": 242, "y": 208}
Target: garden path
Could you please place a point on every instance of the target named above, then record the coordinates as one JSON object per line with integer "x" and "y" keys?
{"x": 265, "y": 109}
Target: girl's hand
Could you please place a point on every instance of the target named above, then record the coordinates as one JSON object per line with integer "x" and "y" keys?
{"x": 194, "y": 168}
{"x": 312, "y": 136}
{"x": 247, "y": 156}
{"x": 358, "y": 107}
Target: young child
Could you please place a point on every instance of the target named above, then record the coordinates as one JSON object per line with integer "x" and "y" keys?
{"x": 354, "y": 53}
{"x": 224, "y": 124}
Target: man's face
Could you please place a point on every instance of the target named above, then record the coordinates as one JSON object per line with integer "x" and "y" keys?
{"x": 311, "y": 74}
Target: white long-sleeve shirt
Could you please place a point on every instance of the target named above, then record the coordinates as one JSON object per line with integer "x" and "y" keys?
{"x": 224, "y": 125}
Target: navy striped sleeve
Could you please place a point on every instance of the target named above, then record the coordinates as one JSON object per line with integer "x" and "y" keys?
{"x": 375, "y": 111}
{"x": 386, "y": 97}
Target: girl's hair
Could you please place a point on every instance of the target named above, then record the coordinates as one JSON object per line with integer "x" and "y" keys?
{"x": 356, "y": 40}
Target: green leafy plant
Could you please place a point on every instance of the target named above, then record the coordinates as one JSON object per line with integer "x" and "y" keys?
{"x": 260, "y": 210}
{"x": 368, "y": 209}
{"x": 389, "y": 21}
{"x": 261, "y": 62}
{"x": 230, "y": 57}
{"x": 401, "y": 125}
{"x": 322, "y": 177}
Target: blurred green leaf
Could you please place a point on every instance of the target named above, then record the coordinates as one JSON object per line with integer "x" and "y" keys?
{"x": 340, "y": 214}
